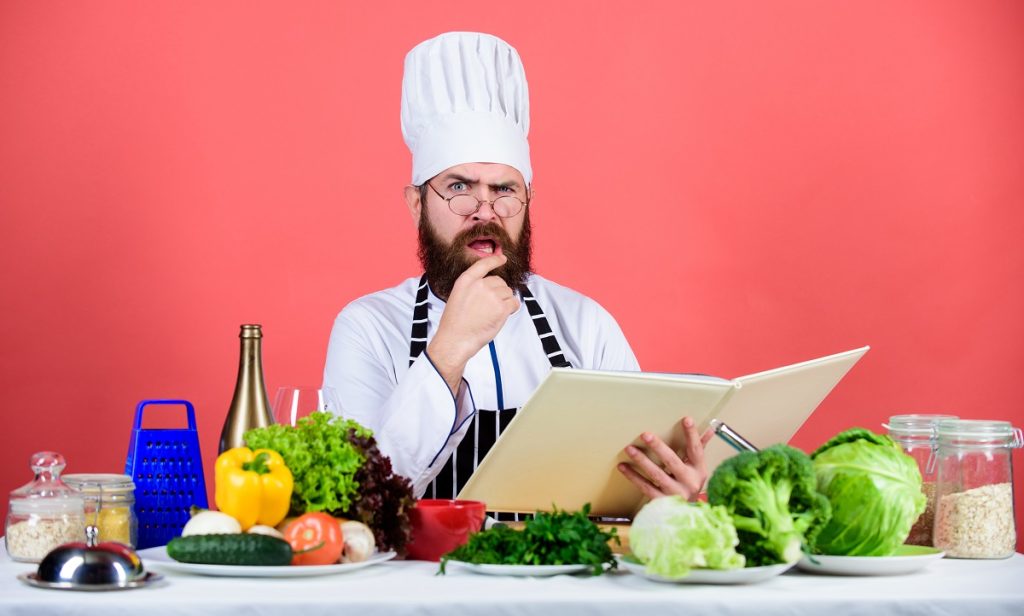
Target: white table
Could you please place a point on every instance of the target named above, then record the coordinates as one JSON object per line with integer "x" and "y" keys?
{"x": 978, "y": 588}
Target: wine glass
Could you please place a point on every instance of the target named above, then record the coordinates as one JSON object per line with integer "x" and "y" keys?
{"x": 293, "y": 403}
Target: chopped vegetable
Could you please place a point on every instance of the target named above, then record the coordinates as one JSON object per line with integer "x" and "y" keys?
{"x": 671, "y": 536}
{"x": 556, "y": 538}
{"x": 206, "y": 522}
{"x": 772, "y": 497}
{"x": 339, "y": 470}
{"x": 254, "y": 487}
{"x": 875, "y": 492}
{"x": 315, "y": 538}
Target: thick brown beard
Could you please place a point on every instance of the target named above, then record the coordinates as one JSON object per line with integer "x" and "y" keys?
{"x": 444, "y": 263}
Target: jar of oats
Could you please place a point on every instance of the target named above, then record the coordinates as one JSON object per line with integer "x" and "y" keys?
{"x": 916, "y": 435}
{"x": 974, "y": 488}
{"x": 109, "y": 505}
{"x": 43, "y": 513}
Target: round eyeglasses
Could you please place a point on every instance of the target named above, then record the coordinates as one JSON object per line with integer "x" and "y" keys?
{"x": 505, "y": 206}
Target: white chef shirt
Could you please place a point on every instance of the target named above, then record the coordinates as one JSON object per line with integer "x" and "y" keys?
{"x": 414, "y": 416}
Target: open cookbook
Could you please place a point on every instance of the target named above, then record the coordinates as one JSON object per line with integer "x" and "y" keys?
{"x": 563, "y": 446}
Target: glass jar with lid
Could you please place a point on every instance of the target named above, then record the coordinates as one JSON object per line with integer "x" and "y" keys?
{"x": 916, "y": 435}
{"x": 43, "y": 513}
{"x": 109, "y": 504}
{"x": 974, "y": 488}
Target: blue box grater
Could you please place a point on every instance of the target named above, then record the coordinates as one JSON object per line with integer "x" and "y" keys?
{"x": 167, "y": 469}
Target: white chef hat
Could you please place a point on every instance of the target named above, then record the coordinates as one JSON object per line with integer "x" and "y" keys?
{"x": 465, "y": 100}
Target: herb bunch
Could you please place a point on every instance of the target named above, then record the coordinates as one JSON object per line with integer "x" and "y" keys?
{"x": 556, "y": 538}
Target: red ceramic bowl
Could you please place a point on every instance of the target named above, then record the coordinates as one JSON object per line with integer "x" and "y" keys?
{"x": 439, "y": 526}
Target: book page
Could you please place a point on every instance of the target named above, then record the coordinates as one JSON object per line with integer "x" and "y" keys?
{"x": 769, "y": 407}
{"x": 564, "y": 444}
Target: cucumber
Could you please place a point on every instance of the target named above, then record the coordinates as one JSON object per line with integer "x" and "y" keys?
{"x": 240, "y": 549}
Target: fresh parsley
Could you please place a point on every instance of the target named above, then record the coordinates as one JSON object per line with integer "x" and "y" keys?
{"x": 556, "y": 538}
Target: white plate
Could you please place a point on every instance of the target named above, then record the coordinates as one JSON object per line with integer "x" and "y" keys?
{"x": 747, "y": 575}
{"x": 516, "y": 570}
{"x": 907, "y": 559}
{"x": 157, "y": 557}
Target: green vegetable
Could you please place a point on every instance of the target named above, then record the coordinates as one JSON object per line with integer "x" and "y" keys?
{"x": 875, "y": 491}
{"x": 671, "y": 536}
{"x": 498, "y": 545}
{"x": 338, "y": 469}
{"x": 322, "y": 460}
{"x": 772, "y": 497}
{"x": 556, "y": 538}
{"x": 240, "y": 549}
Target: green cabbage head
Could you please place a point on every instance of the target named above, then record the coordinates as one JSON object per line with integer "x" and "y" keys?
{"x": 671, "y": 536}
{"x": 875, "y": 492}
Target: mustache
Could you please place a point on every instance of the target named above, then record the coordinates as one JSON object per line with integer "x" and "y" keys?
{"x": 488, "y": 229}
{"x": 443, "y": 262}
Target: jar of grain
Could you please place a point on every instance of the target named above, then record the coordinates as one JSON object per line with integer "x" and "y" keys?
{"x": 43, "y": 513}
{"x": 916, "y": 435}
{"x": 974, "y": 488}
{"x": 109, "y": 504}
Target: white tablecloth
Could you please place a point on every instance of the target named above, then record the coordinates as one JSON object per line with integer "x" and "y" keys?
{"x": 978, "y": 588}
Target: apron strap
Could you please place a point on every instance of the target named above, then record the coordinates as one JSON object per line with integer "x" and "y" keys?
{"x": 486, "y": 425}
{"x": 418, "y": 337}
{"x": 547, "y": 337}
{"x": 548, "y": 340}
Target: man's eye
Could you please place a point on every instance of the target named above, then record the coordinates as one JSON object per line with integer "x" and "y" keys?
{"x": 458, "y": 187}
{"x": 505, "y": 190}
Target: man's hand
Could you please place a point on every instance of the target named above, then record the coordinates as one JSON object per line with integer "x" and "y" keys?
{"x": 684, "y": 476}
{"x": 475, "y": 312}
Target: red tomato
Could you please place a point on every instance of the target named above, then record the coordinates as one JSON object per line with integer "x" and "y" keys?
{"x": 315, "y": 538}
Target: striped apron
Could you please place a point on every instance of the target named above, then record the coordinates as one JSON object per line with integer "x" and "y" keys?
{"x": 486, "y": 425}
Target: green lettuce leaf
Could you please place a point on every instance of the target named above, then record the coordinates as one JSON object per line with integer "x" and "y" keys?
{"x": 671, "y": 536}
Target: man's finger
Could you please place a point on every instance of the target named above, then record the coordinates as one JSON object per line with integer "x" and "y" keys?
{"x": 496, "y": 282}
{"x": 707, "y": 436}
{"x": 504, "y": 292}
{"x": 685, "y": 475}
{"x": 482, "y": 267}
{"x": 645, "y": 487}
{"x": 694, "y": 443}
{"x": 655, "y": 473}
{"x": 682, "y": 472}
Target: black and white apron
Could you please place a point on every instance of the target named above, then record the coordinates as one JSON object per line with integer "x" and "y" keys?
{"x": 486, "y": 425}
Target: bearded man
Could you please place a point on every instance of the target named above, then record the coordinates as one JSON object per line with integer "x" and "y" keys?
{"x": 438, "y": 365}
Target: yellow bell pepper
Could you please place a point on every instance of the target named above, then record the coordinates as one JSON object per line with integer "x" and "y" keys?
{"x": 254, "y": 487}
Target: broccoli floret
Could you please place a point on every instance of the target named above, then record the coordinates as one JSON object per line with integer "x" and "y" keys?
{"x": 774, "y": 502}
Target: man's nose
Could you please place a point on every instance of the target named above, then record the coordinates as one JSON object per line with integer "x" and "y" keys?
{"x": 485, "y": 211}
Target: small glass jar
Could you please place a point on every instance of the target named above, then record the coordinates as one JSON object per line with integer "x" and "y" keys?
{"x": 974, "y": 488}
{"x": 916, "y": 435}
{"x": 109, "y": 504}
{"x": 43, "y": 513}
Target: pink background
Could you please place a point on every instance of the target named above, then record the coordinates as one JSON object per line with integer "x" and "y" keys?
{"x": 742, "y": 184}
